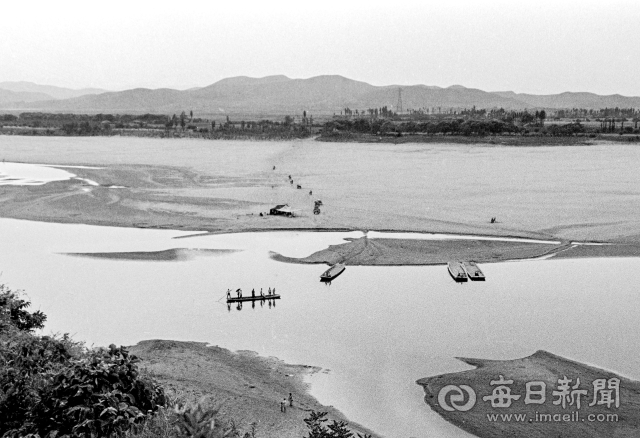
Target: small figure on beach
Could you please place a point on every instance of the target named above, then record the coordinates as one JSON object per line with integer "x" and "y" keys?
{"x": 283, "y": 405}
{"x": 298, "y": 186}
{"x": 289, "y": 176}
{"x": 290, "y": 400}
{"x": 291, "y": 181}
{"x": 493, "y": 220}
{"x": 310, "y": 192}
{"x": 274, "y": 167}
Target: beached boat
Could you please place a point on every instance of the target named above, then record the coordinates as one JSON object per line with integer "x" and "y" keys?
{"x": 256, "y": 298}
{"x": 457, "y": 272}
{"x": 473, "y": 271}
{"x": 332, "y": 272}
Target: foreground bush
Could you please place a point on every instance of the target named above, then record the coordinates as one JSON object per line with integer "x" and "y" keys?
{"x": 337, "y": 429}
{"x": 51, "y": 386}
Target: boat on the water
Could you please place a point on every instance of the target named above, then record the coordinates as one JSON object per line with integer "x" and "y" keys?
{"x": 473, "y": 271}
{"x": 256, "y": 298}
{"x": 332, "y": 272}
{"x": 457, "y": 272}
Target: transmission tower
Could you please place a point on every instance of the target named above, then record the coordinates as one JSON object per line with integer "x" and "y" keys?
{"x": 399, "y": 104}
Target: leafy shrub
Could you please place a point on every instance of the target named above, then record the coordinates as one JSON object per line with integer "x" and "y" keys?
{"x": 337, "y": 429}
{"x": 50, "y": 386}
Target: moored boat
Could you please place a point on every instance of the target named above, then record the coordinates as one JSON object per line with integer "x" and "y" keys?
{"x": 332, "y": 272}
{"x": 457, "y": 272}
{"x": 473, "y": 271}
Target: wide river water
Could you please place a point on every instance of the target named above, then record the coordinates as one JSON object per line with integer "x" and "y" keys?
{"x": 374, "y": 330}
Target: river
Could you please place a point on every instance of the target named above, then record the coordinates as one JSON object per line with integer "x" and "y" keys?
{"x": 374, "y": 330}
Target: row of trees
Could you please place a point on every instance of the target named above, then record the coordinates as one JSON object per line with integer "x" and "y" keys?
{"x": 383, "y": 111}
{"x": 467, "y": 127}
{"x": 455, "y": 126}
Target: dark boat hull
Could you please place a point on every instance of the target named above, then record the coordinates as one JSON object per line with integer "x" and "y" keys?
{"x": 332, "y": 273}
{"x": 256, "y": 298}
{"x": 458, "y": 279}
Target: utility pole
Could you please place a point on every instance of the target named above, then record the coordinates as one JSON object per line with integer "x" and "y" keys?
{"x": 399, "y": 104}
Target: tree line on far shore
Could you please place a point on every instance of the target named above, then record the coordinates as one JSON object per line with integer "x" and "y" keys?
{"x": 379, "y": 121}
{"x": 474, "y": 127}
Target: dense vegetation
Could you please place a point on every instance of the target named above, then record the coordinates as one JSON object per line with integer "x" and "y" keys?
{"x": 526, "y": 124}
{"x": 151, "y": 125}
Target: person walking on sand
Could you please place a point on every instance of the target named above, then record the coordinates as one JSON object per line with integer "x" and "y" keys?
{"x": 290, "y": 400}
{"x": 283, "y": 405}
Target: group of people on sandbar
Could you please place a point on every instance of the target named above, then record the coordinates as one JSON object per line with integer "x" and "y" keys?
{"x": 253, "y": 293}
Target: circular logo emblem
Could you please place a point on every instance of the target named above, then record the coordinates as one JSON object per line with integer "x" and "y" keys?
{"x": 456, "y": 398}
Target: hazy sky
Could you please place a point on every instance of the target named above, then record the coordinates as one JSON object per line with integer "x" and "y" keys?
{"x": 539, "y": 47}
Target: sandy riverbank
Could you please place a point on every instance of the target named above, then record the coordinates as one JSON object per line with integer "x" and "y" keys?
{"x": 248, "y": 387}
{"x": 580, "y": 193}
{"x": 569, "y": 421}
{"x": 573, "y": 193}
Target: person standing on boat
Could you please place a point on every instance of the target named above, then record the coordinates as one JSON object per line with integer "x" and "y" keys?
{"x": 228, "y": 294}
{"x": 239, "y": 292}
{"x": 273, "y": 291}
{"x": 253, "y": 293}
{"x": 269, "y": 293}
{"x": 261, "y": 293}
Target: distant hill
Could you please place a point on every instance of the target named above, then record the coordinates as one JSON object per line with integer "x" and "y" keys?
{"x": 8, "y": 97}
{"x": 318, "y": 95}
{"x": 51, "y": 91}
{"x": 573, "y": 100}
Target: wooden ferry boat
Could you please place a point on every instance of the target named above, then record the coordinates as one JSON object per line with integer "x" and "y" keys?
{"x": 332, "y": 272}
{"x": 457, "y": 272}
{"x": 473, "y": 271}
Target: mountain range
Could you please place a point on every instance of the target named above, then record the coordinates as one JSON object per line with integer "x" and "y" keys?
{"x": 279, "y": 94}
